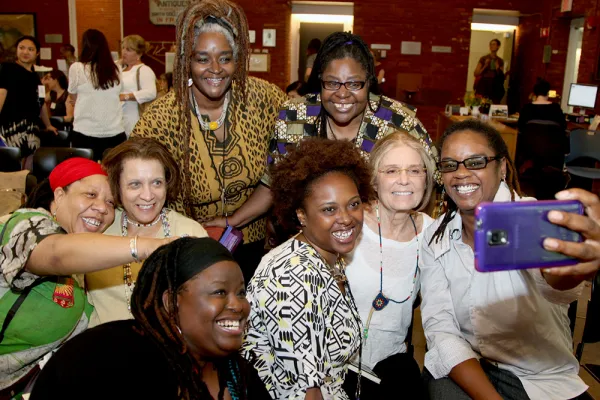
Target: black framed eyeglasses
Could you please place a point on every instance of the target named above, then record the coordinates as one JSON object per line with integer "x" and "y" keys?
{"x": 350, "y": 85}
{"x": 478, "y": 162}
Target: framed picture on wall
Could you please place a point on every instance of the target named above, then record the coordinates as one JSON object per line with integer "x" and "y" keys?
{"x": 12, "y": 27}
{"x": 260, "y": 62}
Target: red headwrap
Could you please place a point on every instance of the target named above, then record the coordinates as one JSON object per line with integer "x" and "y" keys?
{"x": 74, "y": 169}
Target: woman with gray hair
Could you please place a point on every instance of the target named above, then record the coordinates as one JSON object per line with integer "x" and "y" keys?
{"x": 218, "y": 121}
{"x": 139, "y": 81}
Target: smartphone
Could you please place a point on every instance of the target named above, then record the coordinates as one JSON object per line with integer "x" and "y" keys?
{"x": 231, "y": 238}
{"x": 509, "y": 235}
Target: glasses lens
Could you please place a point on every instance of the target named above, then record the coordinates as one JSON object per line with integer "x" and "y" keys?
{"x": 475, "y": 163}
{"x": 416, "y": 171}
{"x": 354, "y": 85}
{"x": 448, "y": 166}
{"x": 331, "y": 85}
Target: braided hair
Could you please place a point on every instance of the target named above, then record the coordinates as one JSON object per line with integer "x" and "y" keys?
{"x": 160, "y": 273}
{"x": 230, "y": 17}
{"x": 496, "y": 143}
{"x": 337, "y": 46}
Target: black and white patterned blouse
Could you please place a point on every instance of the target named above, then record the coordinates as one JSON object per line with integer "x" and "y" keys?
{"x": 302, "y": 330}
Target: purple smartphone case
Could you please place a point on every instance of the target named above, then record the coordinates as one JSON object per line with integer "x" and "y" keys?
{"x": 231, "y": 238}
{"x": 526, "y": 225}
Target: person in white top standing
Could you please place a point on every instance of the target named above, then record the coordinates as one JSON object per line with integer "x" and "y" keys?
{"x": 139, "y": 81}
{"x": 501, "y": 335}
{"x": 383, "y": 268}
{"x": 94, "y": 87}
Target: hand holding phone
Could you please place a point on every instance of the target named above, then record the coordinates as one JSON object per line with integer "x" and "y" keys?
{"x": 510, "y": 235}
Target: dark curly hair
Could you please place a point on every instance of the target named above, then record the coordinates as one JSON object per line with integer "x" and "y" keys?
{"x": 293, "y": 174}
{"x": 496, "y": 143}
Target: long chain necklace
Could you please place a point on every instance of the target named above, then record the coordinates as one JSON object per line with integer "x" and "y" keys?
{"x": 381, "y": 301}
{"x": 127, "y": 275}
{"x": 212, "y": 125}
{"x": 357, "y": 132}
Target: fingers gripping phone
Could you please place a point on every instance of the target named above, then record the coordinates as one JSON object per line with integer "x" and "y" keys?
{"x": 509, "y": 235}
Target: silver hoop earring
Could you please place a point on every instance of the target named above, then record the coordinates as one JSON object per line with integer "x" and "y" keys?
{"x": 190, "y": 82}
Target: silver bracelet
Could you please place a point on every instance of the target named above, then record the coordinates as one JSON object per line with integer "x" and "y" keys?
{"x": 133, "y": 248}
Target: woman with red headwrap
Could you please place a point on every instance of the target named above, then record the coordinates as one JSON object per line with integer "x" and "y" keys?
{"x": 41, "y": 302}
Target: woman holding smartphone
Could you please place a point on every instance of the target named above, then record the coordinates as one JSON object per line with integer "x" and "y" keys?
{"x": 502, "y": 335}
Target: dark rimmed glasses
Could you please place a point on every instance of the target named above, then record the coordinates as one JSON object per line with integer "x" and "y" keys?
{"x": 477, "y": 162}
{"x": 350, "y": 85}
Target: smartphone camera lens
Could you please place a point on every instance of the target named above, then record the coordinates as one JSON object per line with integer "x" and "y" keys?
{"x": 497, "y": 237}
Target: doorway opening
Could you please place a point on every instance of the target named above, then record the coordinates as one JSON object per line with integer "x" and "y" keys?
{"x": 486, "y": 26}
{"x": 573, "y": 57}
{"x": 312, "y": 20}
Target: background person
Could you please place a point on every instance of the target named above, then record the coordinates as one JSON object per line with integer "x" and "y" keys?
{"x": 541, "y": 108}
{"x": 143, "y": 176}
{"x": 190, "y": 311}
{"x": 21, "y": 100}
{"x": 139, "y": 81}
{"x": 489, "y": 74}
{"x": 311, "y": 54}
{"x": 56, "y": 84}
{"x": 94, "y": 87}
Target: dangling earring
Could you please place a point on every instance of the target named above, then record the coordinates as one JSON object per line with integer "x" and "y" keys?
{"x": 440, "y": 206}
{"x": 503, "y": 178}
{"x": 178, "y": 329}
{"x": 190, "y": 82}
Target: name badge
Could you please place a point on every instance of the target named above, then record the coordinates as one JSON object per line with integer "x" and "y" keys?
{"x": 41, "y": 91}
{"x": 52, "y": 106}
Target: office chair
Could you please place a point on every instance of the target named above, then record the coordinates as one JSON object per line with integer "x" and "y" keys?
{"x": 540, "y": 159}
{"x": 584, "y": 144}
{"x": 62, "y": 139}
{"x": 46, "y": 158}
{"x": 407, "y": 86}
{"x": 10, "y": 159}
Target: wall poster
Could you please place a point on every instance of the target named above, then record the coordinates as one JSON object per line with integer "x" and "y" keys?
{"x": 164, "y": 12}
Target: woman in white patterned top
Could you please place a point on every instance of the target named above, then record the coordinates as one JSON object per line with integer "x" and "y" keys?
{"x": 303, "y": 325}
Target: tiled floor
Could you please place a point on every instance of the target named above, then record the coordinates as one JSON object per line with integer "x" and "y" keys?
{"x": 591, "y": 353}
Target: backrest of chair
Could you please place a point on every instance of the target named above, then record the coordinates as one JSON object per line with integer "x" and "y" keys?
{"x": 10, "y": 159}
{"x": 543, "y": 142}
{"x": 46, "y": 158}
{"x": 410, "y": 82}
{"x": 584, "y": 143}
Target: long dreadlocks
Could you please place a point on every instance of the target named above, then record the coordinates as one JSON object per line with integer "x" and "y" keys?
{"x": 163, "y": 272}
{"x": 497, "y": 144}
{"x": 337, "y": 46}
{"x": 229, "y": 16}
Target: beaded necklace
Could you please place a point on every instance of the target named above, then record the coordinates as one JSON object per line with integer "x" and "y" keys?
{"x": 381, "y": 301}
{"x": 127, "y": 275}
{"x": 212, "y": 125}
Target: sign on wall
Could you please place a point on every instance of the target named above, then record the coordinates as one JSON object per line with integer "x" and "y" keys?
{"x": 164, "y": 12}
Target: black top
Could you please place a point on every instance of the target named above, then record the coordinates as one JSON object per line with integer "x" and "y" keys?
{"x": 58, "y": 106}
{"x": 22, "y": 101}
{"x": 114, "y": 361}
{"x": 545, "y": 112}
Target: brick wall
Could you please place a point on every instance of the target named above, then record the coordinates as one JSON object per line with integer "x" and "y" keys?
{"x": 51, "y": 17}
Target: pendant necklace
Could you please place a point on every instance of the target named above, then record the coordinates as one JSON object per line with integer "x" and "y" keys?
{"x": 211, "y": 125}
{"x": 127, "y": 274}
{"x": 381, "y": 301}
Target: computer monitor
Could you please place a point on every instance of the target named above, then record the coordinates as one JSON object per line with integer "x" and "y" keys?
{"x": 582, "y": 95}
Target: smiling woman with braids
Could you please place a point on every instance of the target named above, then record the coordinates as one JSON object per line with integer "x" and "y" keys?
{"x": 190, "y": 312}
{"x": 217, "y": 122}
{"x": 501, "y": 335}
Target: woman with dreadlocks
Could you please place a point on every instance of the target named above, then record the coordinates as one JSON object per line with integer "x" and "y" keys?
{"x": 501, "y": 335}
{"x": 190, "y": 312}
{"x": 218, "y": 122}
